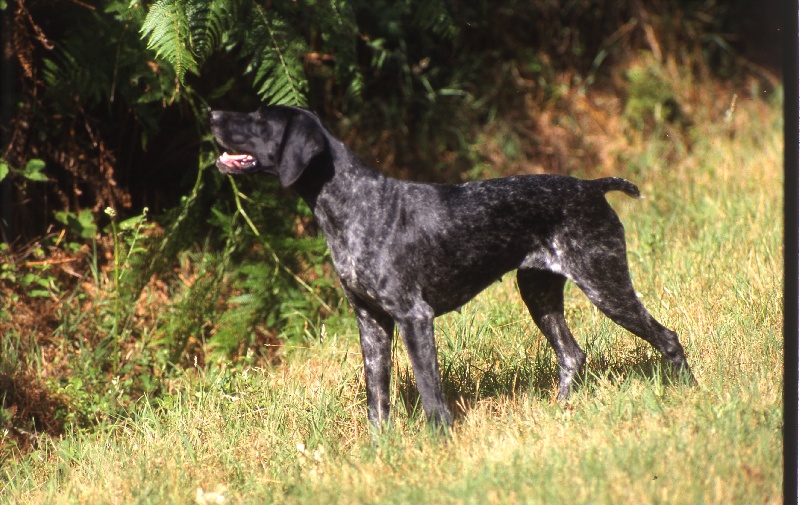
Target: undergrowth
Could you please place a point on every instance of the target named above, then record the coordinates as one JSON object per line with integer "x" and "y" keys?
{"x": 87, "y": 332}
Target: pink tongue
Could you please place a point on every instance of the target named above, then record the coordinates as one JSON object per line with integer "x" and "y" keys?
{"x": 236, "y": 160}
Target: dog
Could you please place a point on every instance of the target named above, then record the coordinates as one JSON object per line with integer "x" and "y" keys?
{"x": 407, "y": 252}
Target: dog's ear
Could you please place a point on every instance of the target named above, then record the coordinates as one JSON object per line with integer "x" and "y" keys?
{"x": 303, "y": 140}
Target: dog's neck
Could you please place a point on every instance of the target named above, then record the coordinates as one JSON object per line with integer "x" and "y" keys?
{"x": 327, "y": 185}
{"x": 314, "y": 178}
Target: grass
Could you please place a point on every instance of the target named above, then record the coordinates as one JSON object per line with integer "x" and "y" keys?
{"x": 705, "y": 250}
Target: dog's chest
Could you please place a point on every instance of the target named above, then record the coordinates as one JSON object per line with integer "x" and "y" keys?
{"x": 349, "y": 254}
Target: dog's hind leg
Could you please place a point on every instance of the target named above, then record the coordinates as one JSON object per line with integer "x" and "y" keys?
{"x": 543, "y": 294}
{"x": 606, "y": 281}
{"x": 376, "y": 331}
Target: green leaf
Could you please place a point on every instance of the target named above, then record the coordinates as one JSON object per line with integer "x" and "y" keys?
{"x": 62, "y": 216}
{"x": 33, "y": 171}
{"x": 3, "y": 169}
{"x": 87, "y": 226}
{"x": 132, "y": 223}
{"x": 81, "y": 224}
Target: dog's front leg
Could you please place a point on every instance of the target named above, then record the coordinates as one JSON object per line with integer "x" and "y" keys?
{"x": 417, "y": 330}
{"x": 376, "y": 331}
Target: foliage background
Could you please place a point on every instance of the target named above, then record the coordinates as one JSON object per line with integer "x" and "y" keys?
{"x": 127, "y": 258}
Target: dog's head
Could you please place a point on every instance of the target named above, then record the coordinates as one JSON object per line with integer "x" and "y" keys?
{"x": 278, "y": 140}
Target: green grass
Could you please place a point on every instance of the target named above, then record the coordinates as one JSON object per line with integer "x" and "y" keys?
{"x": 705, "y": 249}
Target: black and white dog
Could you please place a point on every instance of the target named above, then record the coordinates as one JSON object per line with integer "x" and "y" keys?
{"x": 407, "y": 252}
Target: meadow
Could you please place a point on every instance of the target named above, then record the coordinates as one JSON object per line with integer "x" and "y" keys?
{"x": 705, "y": 252}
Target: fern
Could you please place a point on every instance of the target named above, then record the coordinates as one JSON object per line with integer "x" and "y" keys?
{"x": 276, "y": 65}
{"x": 184, "y": 33}
{"x": 168, "y": 31}
{"x": 340, "y": 31}
{"x": 433, "y": 15}
{"x": 209, "y": 21}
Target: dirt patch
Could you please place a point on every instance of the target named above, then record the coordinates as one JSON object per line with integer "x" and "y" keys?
{"x": 29, "y": 410}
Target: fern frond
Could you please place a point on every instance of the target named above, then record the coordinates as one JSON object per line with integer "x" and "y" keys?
{"x": 168, "y": 33}
{"x": 67, "y": 71}
{"x": 433, "y": 15}
{"x": 277, "y": 69}
{"x": 338, "y": 24}
{"x": 209, "y": 20}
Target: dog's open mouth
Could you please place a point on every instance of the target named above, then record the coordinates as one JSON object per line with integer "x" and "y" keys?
{"x": 232, "y": 163}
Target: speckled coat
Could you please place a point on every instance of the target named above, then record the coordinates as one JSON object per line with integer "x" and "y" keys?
{"x": 407, "y": 252}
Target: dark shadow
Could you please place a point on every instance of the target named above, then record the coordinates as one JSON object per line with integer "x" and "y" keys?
{"x": 649, "y": 367}
{"x": 465, "y": 383}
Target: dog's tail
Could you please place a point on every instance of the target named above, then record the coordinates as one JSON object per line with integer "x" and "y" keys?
{"x": 607, "y": 184}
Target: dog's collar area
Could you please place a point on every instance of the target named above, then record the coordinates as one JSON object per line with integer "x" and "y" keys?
{"x": 236, "y": 162}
